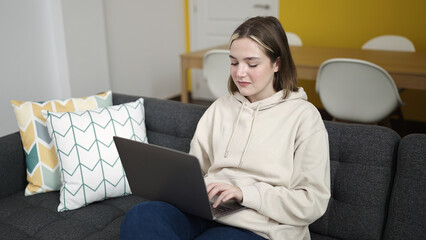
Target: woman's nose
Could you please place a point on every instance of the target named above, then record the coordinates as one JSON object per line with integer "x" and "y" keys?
{"x": 241, "y": 70}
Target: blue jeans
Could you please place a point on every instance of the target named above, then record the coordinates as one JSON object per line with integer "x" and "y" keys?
{"x": 160, "y": 220}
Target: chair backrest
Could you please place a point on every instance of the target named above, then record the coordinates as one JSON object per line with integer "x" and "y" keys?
{"x": 216, "y": 66}
{"x": 293, "y": 39}
{"x": 356, "y": 90}
{"x": 390, "y": 43}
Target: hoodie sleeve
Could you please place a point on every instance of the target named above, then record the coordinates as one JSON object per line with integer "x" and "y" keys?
{"x": 307, "y": 198}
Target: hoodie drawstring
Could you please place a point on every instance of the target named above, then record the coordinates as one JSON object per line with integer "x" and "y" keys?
{"x": 235, "y": 130}
{"x": 249, "y": 137}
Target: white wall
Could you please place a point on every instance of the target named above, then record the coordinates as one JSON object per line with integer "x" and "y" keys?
{"x": 145, "y": 39}
{"x": 28, "y": 59}
{"x": 86, "y": 46}
{"x": 72, "y": 48}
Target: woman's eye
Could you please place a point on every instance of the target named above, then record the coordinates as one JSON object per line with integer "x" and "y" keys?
{"x": 252, "y": 65}
{"x": 234, "y": 63}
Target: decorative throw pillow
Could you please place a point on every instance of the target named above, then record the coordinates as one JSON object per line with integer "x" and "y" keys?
{"x": 42, "y": 165}
{"x": 91, "y": 169}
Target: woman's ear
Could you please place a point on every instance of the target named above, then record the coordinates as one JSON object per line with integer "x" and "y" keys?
{"x": 277, "y": 64}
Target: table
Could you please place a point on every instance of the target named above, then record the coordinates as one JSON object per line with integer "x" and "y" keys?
{"x": 408, "y": 69}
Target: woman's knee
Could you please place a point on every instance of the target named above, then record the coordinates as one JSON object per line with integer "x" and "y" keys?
{"x": 149, "y": 212}
{"x": 153, "y": 220}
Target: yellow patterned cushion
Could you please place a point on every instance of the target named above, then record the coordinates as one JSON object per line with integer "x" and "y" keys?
{"x": 43, "y": 173}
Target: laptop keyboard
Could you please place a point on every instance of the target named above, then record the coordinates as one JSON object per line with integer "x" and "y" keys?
{"x": 220, "y": 209}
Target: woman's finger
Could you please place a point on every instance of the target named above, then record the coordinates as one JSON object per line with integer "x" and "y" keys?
{"x": 224, "y": 192}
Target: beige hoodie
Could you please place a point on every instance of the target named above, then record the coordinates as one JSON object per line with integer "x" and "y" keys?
{"x": 276, "y": 151}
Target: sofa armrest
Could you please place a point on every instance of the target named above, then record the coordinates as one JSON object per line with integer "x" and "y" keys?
{"x": 407, "y": 209}
{"x": 12, "y": 165}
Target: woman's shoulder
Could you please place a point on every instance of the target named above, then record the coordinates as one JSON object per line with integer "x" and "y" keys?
{"x": 308, "y": 114}
{"x": 308, "y": 107}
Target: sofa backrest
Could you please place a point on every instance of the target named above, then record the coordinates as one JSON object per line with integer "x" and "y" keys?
{"x": 169, "y": 123}
{"x": 363, "y": 159}
{"x": 407, "y": 211}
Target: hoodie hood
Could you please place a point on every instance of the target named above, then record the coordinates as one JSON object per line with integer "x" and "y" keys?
{"x": 271, "y": 101}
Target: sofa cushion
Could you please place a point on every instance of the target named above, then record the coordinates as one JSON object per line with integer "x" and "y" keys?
{"x": 90, "y": 167}
{"x": 42, "y": 164}
{"x": 36, "y": 217}
{"x": 362, "y": 159}
{"x": 407, "y": 210}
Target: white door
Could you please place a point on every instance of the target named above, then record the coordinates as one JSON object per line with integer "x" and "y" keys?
{"x": 212, "y": 23}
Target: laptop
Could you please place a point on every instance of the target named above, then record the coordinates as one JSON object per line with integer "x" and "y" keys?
{"x": 162, "y": 174}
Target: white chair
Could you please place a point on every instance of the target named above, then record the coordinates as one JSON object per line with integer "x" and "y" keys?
{"x": 216, "y": 67}
{"x": 293, "y": 39}
{"x": 354, "y": 90}
{"x": 390, "y": 43}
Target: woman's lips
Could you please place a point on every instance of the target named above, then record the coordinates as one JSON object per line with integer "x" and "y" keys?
{"x": 243, "y": 84}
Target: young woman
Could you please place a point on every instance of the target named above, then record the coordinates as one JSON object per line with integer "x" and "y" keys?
{"x": 264, "y": 146}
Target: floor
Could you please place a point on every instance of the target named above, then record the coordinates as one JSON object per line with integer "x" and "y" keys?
{"x": 402, "y": 128}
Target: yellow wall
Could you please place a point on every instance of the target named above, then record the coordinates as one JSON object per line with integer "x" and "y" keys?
{"x": 342, "y": 23}
{"x": 351, "y": 23}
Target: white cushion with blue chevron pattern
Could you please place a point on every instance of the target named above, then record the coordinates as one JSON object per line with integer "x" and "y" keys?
{"x": 91, "y": 169}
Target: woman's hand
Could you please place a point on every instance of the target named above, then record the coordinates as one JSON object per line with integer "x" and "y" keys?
{"x": 224, "y": 192}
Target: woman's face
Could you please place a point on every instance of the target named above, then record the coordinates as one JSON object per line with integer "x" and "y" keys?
{"x": 251, "y": 70}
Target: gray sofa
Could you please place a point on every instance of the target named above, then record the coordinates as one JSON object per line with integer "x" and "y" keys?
{"x": 378, "y": 183}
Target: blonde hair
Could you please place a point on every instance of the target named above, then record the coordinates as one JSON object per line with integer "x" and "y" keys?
{"x": 236, "y": 36}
